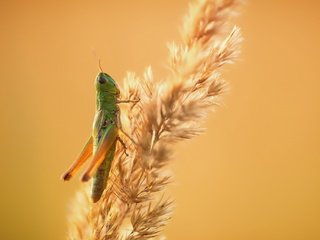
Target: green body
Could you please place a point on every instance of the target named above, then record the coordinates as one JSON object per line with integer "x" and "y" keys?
{"x": 106, "y": 120}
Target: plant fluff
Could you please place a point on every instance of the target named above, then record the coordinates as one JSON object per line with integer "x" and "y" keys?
{"x": 170, "y": 110}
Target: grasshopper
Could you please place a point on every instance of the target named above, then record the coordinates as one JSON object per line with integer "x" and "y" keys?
{"x": 105, "y": 135}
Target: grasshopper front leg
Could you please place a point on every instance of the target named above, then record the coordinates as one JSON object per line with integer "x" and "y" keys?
{"x": 128, "y": 101}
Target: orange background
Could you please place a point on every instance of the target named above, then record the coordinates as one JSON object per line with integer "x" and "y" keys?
{"x": 254, "y": 175}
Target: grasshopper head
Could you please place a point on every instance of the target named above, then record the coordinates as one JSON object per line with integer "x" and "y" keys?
{"x": 105, "y": 83}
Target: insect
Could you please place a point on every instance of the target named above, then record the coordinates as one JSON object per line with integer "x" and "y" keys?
{"x": 105, "y": 135}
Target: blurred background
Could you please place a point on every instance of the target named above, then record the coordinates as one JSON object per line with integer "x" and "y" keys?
{"x": 254, "y": 174}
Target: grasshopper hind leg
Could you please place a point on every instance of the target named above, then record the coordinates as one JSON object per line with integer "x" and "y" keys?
{"x": 100, "y": 178}
{"x": 84, "y": 155}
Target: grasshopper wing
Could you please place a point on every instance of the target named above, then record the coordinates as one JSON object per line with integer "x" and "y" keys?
{"x": 108, "y": 137}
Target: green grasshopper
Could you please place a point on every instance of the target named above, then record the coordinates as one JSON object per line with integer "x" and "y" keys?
{"x": 105, "y": 135}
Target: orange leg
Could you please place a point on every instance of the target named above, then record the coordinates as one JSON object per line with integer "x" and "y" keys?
{"x": 107, "y": 140}
{"x": 84, "y": 155}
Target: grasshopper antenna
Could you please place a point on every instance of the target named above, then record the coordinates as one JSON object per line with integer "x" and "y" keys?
{"x": 98, "y": 58}
{"x": 100, "y": 68}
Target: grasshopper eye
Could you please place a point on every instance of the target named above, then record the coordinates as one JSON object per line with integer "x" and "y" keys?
{"x": 102, "y": 80}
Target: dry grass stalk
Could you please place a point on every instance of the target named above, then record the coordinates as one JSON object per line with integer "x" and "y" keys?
{"x": 169, "y": 111}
